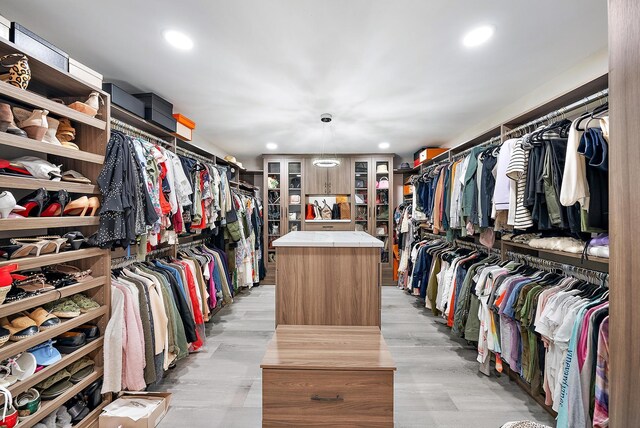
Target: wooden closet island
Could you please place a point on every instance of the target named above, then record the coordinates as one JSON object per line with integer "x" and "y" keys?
{"x": 328, "y": 278}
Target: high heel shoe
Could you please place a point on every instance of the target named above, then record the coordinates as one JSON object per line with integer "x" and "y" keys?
{"x": 50, "y": 135}
{"x": 11, "y": 252}
{"x": 36, "y": 125}
{"x": 6, "y": 117}
{"x": 19, "y": 71}
{"x": 66, "y": 132}
{"x": 8, "y": 204}
{"x": 42, "y": 245}
{"x": 77, "y": 207}
{"x": 90, "y": 106}
{"x": 94, "y": 204}
{"x": 56, "y": 205}
{"x": 34, "y": 202}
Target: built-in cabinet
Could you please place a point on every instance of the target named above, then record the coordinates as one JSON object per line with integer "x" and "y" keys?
{"x": 365, "y": 181}
{"x": 328, "y": 181}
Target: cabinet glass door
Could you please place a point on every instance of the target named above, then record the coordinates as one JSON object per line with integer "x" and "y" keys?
{"x": 274, "y": 213}
{"x": 294, "y": 187}
{"x": 361, "y": 202}
{"x": 382, "y": 206}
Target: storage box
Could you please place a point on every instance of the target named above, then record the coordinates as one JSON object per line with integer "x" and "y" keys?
{"x": 184, "y": 127}
{"x": 163, "y": 121}
{"x": 158, "y": 110}
{"x": 123, "y": 99}
{"x": 155, "y": 102}
{"x": 5, "y": 27}
{"x": 37, "y": 47}
{"x": 84, "y": 73}
{"x": 150, "y": 421}
{"x": 428, "y": 154}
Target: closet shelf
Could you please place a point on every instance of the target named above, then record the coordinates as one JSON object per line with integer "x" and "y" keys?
{"x": 594, "y": 259}
{"x": 21, "y": 386}
{"x": 11, "y": 182}
{"x": 14, "y": 348}
{"x": 44, "y": 74}
{"x": 327, "y": 221}
{"x": 138, "y": 122}
{"x": 51, "y": 259}
{"x": 49, "y": 406}
{"x": 47, "y": 222}
{"x": 57, "y": 109}
{"x": 7, "y": 309}
{"x": 24, "y": 143}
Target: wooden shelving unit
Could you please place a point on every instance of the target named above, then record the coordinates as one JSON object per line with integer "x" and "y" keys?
{"x": 92, "y": 134}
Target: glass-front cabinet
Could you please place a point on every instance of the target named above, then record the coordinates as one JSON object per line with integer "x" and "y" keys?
{"x": 362, "y": 194}
{"x": 294, "y": 188}
{"x": 274, "y": 221}
{"x": 383, "y": 206}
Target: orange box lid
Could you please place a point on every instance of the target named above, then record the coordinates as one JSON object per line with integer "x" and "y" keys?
{"x": 184, "y": 120}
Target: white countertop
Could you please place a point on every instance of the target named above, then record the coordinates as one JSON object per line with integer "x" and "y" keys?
{"x": 328, "y": 239}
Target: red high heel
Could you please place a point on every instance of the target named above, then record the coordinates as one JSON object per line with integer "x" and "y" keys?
{"x": 5, "y": 274}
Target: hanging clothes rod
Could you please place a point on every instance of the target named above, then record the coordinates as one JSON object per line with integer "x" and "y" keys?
{"x": 196, "y": 156}
{"x": 124, "y": 261}
{"x": 129, "y": 129}
{"x": 187, "y": 245}
{"x": 589, "y": 275}
{"x": 476, "y": 247}
{"x": 562, "y": 111}
{"x": 159, "y": 251}
{"x": 490, "y": 141}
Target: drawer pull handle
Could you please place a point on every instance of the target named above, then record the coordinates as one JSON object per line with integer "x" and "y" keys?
{"x": 318, "y": 398}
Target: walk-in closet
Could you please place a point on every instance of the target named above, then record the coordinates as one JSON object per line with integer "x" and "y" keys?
{"x": 279, "y": 213}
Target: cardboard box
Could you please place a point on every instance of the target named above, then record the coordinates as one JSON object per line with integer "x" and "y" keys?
{"x": 84, "y": 73}
{"x": 5, "y": 27}
{"x": 150, "y": 421}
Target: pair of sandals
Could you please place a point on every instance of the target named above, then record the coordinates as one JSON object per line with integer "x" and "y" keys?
{"x": 61, "y": 381}
{"x": 85, "y": 402}
{"x": 24, "y": 247}
{"x": 75, "y": 339}
{"x": 72, "y": 307}
{"x": 27, "y": 324}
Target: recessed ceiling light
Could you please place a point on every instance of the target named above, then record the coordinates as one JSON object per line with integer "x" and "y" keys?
{"x": 478, "y": 36}
{"x": 272, "y": 146}
{"x": 384, "y": 145}
{"x": 178, "y": 40}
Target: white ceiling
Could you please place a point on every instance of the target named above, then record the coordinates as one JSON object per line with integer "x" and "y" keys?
{"x": 261, "y": 71}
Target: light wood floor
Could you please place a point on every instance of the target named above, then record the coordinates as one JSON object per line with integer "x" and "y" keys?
{"x": 437, "y": 383}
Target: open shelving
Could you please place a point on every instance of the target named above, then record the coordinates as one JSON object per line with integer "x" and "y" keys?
{"x": 92, "y": 135}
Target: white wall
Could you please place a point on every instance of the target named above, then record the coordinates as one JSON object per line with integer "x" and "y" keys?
{"x": 585, "y": 71}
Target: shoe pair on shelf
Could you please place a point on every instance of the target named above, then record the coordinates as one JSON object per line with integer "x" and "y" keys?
{"x": 37, "y": 125}
{"x": 43, "y": 204}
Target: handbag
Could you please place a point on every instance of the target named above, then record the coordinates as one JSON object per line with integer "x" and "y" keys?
{"x": 317, "y": 211}
{"x": 383, "y": 183}
{"x": 294, "y": 199}
{"x": 295, "y": 183}
{"x": 335, "y": 212}
{"x": 359, "y": 183}
{"x": 311, "y": 214}
{"x": 381, "y": 230}
{"x": 360, "y": 199}
{"x": 342, "y": 198}
{"x": 345, "y": 211}
{"x": 361, "y": 213}
{"x": 325, "y": 211}
{"x": 293, "y": 216}
{"x": 273, "y": 183}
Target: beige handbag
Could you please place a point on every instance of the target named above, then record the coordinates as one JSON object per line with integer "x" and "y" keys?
{"x": 345, "y": 211}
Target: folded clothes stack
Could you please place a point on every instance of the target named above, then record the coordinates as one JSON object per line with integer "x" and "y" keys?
{"x": 599, "y": 246}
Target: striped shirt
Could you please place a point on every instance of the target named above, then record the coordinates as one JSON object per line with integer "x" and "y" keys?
{"x": 517, "y": 171}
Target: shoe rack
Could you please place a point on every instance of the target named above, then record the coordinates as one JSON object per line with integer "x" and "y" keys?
{"x": 92, "y": 134}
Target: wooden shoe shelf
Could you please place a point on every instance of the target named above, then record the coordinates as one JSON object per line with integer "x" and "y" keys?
{"x": 92, "y": 136}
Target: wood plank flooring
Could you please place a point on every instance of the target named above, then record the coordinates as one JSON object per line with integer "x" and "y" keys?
{"x": 437, "y": 383}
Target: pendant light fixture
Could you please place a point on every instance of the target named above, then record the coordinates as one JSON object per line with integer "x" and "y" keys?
{"x": 324, "y": 161}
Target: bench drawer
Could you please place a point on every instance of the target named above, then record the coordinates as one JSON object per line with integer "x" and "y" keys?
{"x": 327, "y": 398}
